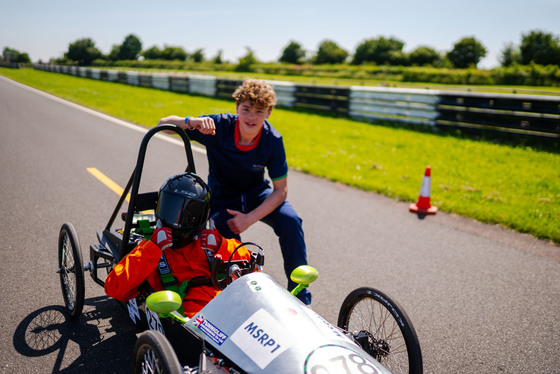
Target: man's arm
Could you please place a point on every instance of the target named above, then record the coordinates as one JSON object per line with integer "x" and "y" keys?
{"x": 241, "y": 222}
{"x": 205, "y": 125}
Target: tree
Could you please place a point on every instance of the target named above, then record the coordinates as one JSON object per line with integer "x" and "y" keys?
{"x": 330, "y": 53}
{"x": 541, "y": 48}
{"x": 198, "y": 55}
{"x": 424, "y": 55}
{"x": 398, "y": 58}
{"x": 130, "y": 48}
{"x": 115, "y": 52}
{"x": 24, "y": 58}
{"x": 12, "y": 55}
{"x": 173, "y": 53}
{"x": 292, "y": 54}
{"x": 246, "y": 62}
{"x": 83, "y": 51}
{"x": 466, "y": 52}
{"x": 510, "y": 55}
{"x": 381, "y": 51}
{"x": 218, "y": 59}
{"x": 152, "y": 53}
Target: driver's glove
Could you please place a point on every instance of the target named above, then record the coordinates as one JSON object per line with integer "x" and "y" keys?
{"x": 210, "y": 240}
{"x": 162, "y": 237}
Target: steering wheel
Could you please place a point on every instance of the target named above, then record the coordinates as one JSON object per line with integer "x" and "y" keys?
{"x": 223, "y": 273}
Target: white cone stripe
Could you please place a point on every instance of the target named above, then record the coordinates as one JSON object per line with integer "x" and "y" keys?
{"x": 425, "y": 189}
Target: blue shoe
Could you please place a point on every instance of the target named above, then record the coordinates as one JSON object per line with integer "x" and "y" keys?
{"x": 305, "y": 296}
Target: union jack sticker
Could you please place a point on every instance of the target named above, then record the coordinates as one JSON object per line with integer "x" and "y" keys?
{"x": 198, "y": 320}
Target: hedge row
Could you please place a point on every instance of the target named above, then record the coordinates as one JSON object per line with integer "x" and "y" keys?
{"x": 525, "y": 75}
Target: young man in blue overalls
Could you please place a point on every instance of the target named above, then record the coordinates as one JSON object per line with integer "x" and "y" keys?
{"x": 239, "y": 148}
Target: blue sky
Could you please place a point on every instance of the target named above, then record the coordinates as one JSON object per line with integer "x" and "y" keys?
{"x": 44, "y": 29}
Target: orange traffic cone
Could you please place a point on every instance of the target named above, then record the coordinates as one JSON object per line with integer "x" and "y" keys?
{"x": 423, "y": 205}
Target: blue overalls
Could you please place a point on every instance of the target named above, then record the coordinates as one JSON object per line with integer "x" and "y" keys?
{"x": 284, "y": 220}
{"x": 237, "y": 182}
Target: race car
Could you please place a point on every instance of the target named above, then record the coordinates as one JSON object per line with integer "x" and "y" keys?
{"x": 254, "y": 325}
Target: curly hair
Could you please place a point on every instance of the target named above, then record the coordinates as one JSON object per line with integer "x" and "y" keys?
{"x": 258, "y": 93}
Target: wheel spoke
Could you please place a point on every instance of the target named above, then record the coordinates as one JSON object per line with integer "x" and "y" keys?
{"x": 389, "y": 345}
{"x": 151, "y": 363}
{"x": 70, "y": 270}
{"x": 67, "y": 272}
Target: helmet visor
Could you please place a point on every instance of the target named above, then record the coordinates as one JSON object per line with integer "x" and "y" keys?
{"x": 182, "y": 212}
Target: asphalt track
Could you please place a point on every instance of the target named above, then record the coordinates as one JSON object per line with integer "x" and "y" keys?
{"x": 482, "y": 298}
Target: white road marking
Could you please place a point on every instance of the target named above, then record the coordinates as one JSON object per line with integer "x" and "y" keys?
{"x": 169, "y": 139}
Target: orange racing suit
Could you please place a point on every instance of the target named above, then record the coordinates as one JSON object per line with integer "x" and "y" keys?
{"x": 185, "y": 263}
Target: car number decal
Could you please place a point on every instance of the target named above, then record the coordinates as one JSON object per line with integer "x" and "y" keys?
{"x": 336, "y": 359}
{"x": 262, "y": 338}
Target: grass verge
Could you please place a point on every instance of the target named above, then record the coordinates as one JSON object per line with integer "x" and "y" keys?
{"x": 517, "y": 187}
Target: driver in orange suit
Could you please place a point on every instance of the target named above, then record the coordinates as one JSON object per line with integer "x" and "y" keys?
{"x": 183, "y": 208}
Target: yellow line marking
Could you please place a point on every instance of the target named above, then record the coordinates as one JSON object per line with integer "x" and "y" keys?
{"x": 108, "y": 182}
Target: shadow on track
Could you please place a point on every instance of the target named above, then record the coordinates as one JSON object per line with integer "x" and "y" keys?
{"x": 104, "y": 337}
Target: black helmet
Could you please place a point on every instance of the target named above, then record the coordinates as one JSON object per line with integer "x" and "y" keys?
{"x": 184, "y": 206}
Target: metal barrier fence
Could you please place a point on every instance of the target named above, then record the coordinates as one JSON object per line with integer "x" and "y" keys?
{"x": 523, "y": 114}
{"x": 533, "y": 115}
{"x": 394, "y": 104}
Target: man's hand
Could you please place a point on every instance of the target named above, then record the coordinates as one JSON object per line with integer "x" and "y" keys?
{"x": 210, "y": 240}
{"x": 205, "y": 125}
{"x": 162, "y": 237}
{"x": 240, "y": 222}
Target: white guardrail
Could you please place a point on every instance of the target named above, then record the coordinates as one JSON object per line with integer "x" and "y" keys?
{"x": 521, "y": 114}
{"x": 365, "y": 103}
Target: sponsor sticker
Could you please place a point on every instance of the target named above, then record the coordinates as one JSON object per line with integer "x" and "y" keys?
{"x": 262, "y": 338}
{"x": 214, "y": 333}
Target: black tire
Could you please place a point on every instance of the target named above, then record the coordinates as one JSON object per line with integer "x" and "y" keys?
{"x": 71, "y": 270}
{"x": 154, "y": 354}
{"x": 391, "y": 338}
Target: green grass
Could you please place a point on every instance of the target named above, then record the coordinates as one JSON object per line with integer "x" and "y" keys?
{"x": 517, "y": 187}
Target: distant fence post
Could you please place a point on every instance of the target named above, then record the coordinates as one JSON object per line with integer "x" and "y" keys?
{"x": 226, "y": 87}
{"x": 179, "y": 83}
{"x": 160, "y": 81}
{"x": 202, "y": 85}
{"x": 132, "y": 78}
{"x": 332, "y": 99}
{"x": 285, "y": 93}
{"x": 393, "y": 105}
